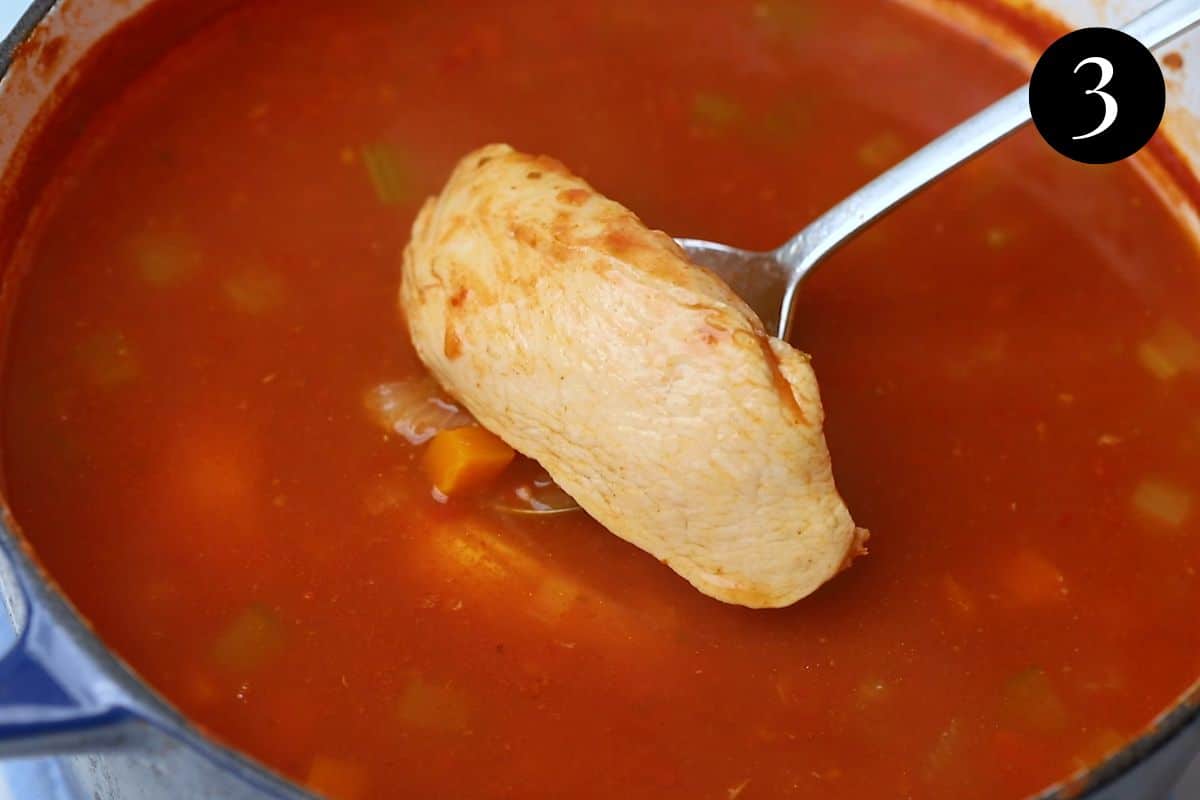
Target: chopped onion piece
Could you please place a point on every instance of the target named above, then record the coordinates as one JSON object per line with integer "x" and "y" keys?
{"x": 414, "y": 409}
{"x": 1163, "y": 502}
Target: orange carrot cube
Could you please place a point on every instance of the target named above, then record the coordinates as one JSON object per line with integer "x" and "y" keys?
{"x": 464, "y": 459}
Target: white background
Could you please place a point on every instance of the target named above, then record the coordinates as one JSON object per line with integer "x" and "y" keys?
{"x": 9, "y": 11}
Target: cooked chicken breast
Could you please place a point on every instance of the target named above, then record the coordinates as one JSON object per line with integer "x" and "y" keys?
{"x": 641, "y": 382}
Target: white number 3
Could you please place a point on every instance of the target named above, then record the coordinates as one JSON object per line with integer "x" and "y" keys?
{"x": 1110, "y": 103}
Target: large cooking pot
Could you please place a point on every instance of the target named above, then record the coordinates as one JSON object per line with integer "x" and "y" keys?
{"x": 62, "y": 692}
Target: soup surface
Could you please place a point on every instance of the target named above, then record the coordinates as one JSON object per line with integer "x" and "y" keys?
{"x": 1009, "y": 363}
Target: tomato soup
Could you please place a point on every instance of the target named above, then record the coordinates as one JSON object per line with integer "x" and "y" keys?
{"x": 1010, "y": 364}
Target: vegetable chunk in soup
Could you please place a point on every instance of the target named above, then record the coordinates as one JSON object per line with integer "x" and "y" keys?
{"x": 222, "y": 447}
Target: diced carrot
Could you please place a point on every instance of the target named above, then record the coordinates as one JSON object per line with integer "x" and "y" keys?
{"x": 415, "y": 409}
{"x": 1031, "y": 580}
{"x": 465, "y": 458}
{"x": 337, "y": 779}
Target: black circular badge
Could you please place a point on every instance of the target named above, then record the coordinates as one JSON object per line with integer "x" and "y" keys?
{"x": 1097, "y": 95}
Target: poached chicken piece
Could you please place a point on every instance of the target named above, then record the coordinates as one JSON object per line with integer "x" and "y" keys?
{"x": 647, "y": 389}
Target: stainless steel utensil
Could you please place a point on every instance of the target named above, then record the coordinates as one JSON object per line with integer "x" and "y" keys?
{"x": 768, "y": 280}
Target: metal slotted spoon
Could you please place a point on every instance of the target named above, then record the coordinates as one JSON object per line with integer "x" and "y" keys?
{"x": 768, "y": 281}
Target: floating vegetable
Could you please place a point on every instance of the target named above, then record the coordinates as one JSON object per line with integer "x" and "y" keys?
{"x": 255, "y": 291}
{"x": 1162, "y": 502}
{"x": 414, "y": 409}
{"x": 1030, "y": 579}
{"x": 1170, "y": 351}
{"x": 997, "y": 237}
{"x": 1031, "y": 703}
{"x": 250, "y": 640}
{"x": 463, "y": 459}
{"x": 388, "y": 177}
{"x": 107, "y": 359}
{"x": 212, "y": 469}
{"x": 786, "y": 18}
{"x": 163, "y": 259}
{"x": 432, "y": 706}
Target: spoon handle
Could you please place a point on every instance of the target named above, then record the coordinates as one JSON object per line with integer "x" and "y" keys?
{"x": 825, "y": 234}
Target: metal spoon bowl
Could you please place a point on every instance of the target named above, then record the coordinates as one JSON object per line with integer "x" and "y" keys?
{"x": 768, "y": 281}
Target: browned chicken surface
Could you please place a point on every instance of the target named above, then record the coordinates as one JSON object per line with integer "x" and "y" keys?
{"x": 641, "y": 382}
